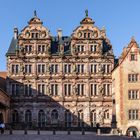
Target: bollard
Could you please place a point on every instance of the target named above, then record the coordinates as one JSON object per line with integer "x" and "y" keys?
{"x": 10, "y": 131}
{"x": 38, "y": 132}
{"x": 54, "y": 132}
{"x": 83, "y": 131}
{"x": 98, "y": 131}
{"x": 25, "y": 131}
{"x": 69, "y": 132}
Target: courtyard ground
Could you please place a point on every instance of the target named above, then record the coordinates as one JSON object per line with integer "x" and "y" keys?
{"x": 60, "y": 135}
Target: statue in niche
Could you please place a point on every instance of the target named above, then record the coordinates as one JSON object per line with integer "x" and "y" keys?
{"x": 73, "y": 49}
{"x": 21, "y": 67}
{"x": 47, "y": 89}
{"x": 73, "y": 67}
{"x": 47, "y": 68}
{"x": 101, "y": 116}
{"x": 100, "y": 88}
{"x": 100, "y": 69}
{"x": 74, "y": 89}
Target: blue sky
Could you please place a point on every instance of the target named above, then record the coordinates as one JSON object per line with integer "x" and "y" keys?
{"x": 121, "y": 19}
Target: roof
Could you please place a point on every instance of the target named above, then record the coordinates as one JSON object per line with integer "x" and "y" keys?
{"x": 12, "y": 48}
{"x": 3, "y": 76}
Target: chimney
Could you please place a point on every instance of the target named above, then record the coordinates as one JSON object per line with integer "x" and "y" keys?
{"x": 59, "y": 33}
{"x": 15, "y": 33}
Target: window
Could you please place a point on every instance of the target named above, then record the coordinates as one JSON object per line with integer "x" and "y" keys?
{"x": 67, "y": 68}
{"x": 93, "y": 89}
{"x": 133, "y": 114}
{"x": 15, "y": 117}
{"x": 80, "y": 89}
{"x": 106, "y": 114}
{"x": 54, "y": 89}
{"x": 80, "y": 48}
{"x": 28, "y": 69}
{"x": 28, "y": 116}
{"x": 133, "y": 94}
{"x": 132, "y": 77}
{"x": 35, "y": 35}
{"x": 80, "y": 118}
{"x": 80, "y": 68}
{"x": 41, "y": 68}
{"x": 41, "y": 118}
{"x": 93, "y": 48}
{"x": 41, "y": 89}
{"x": 85, "y": 35}
{"x": 93, "y": 68}
{"x": 106, "y": 68}
{"x": 67, "y": 89}
{"x": 93, "y": 118}
{"x": 88, "y": 35}
{"x": 106, "y": 89}
{"x": 41, "y": 48}
{"x": 133, "y": 57}
{"x": 54, "y": 115}
{"x": 15, "y": 89}
{"x": 15, "y": 69}
{"x": 28, "y": 90}
{"x": 54, "y": 68}
{"x": 28, "y": 48}
{"x": 67, "y": 118}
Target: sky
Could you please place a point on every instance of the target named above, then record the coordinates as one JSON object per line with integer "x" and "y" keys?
{"x": 121, "y": 18}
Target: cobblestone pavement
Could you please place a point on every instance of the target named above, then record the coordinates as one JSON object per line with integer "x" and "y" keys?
{"x": 60, "y": 135}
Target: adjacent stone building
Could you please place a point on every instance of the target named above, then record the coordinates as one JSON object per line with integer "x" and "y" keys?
{"x": 62, "y": 81}
{"x": 4, "y": 99}
{"x": 126, "y": 89}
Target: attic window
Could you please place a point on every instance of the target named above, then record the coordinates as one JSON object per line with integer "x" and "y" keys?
{"x": 133, "y": 57}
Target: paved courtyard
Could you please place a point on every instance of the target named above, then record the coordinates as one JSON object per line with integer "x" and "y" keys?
{"x": 47, "y": 135}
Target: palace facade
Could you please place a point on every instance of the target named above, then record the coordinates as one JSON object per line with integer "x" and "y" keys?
{"x": 62, "y": 81}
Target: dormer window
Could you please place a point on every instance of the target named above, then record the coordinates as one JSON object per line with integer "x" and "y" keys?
{"x": 88, "y": 35}
{"x": 35, "y": 35}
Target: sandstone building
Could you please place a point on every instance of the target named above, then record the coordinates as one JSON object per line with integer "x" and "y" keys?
{"x": 4, "y": 99}
{"x": 126, "y": 89}
{"x": 62, "y": 81}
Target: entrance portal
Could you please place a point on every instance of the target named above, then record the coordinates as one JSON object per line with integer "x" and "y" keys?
{"x": 132, "y": 131}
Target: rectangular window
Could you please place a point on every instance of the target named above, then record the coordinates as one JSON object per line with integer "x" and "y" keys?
{"x": 41, "y": 89}
{"x": 133, "y": 114}
{"x": 54, "y": 68}
{"x": 67, "y": 68}
{"x": 28, "y": 90}
{"x": 67, "y": 89}
{"x": 80, "y": 89}
{"x": 80, "y": 68}
{"x": 41, "y": 48}
{"x": 106, "y": 89}
{"x": 133, "y": 57}
{"x": 132, "y": 77}
{"x": 28, "y": 48}
{"x": 15, "y": 69}
{"x": 93, "y": 48}
{"x": 93, "y": 68}
{"x": 133, "y": 94}
{"x": 28, "y": 69}
{"x": 41, "y": 68}
{"x": 54, "y": 89}
{"x": 80, "y": 48}
{"x": 15, "y": 89}
{"x": 93, "y": 89}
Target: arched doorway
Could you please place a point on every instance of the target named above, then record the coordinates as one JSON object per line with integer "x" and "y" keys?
{"x": 132, "y": 131}
{"x": 1, "y": 117}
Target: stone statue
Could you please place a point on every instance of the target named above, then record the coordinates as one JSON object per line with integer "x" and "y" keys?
{"x": 100, "y": 69}
{"x": 100, "y": 88}
{"x": 86, "y": 12}
{"x": 47, "y": 68}
{"x": 73, "y": 49}
{"x": 101, "y": 116}
{"x": 47, "y": 89}
{"x": 61, "y": 49}
{"x": 73, "y": 67}
{"x": 21, "y": 68}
